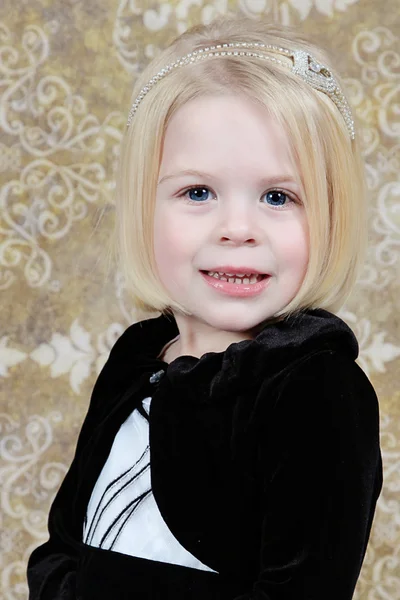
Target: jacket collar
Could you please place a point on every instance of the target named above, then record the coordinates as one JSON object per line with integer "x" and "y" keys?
{"x": 274, "y": 348}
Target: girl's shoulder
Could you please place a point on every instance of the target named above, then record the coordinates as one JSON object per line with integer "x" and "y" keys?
{"x": 327, "y": 388}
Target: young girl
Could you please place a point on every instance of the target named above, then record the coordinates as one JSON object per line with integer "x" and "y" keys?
{"x": 231, "y": 447}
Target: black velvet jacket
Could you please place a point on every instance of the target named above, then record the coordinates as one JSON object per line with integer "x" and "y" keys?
{"x": 265, "y": 465}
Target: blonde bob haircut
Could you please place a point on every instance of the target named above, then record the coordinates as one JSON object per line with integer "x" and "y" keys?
{"x": 328, "y": 163}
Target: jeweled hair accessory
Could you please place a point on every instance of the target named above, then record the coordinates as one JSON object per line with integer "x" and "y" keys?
{"x": 304, "y": 65}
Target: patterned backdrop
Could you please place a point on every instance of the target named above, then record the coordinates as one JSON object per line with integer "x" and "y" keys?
{"x": 66, "y": 73}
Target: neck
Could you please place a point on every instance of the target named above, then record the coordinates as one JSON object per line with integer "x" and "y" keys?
{"x": 196, "y": 338}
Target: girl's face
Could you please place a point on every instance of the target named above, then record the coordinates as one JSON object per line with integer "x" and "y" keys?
{"x": 241, "y": 213}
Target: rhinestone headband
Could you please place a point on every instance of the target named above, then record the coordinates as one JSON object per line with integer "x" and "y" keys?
{"x": 304, "y": 65}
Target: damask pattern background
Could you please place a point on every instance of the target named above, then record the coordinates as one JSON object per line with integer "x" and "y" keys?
{"x": 66, "y": 72}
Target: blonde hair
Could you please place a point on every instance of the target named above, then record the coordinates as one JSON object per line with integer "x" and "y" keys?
{"x": 329, "y": 163}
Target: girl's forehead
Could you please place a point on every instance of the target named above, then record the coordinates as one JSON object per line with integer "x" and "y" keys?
{"x": 225, "y": 131}
{"x": 235, "y": 110}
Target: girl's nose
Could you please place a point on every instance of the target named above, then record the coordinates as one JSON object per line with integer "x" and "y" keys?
{"x": 239, "y": 227}
{"x": 238, "y": 238}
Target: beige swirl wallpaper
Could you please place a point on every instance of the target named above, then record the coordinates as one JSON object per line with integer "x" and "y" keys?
{"x": 66, "y": 73}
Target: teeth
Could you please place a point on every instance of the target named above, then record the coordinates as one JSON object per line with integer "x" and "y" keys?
{"x": 234, "y": 277}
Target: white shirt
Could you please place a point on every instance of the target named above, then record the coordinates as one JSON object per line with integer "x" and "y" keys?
{"x": 122, "y": 514}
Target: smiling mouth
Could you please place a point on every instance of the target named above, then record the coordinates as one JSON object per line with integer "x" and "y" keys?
{"x": 247, "y": 279}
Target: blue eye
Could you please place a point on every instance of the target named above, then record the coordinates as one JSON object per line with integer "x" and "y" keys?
{"x": 196, "y": 195}
{"x": 276, "y": 197}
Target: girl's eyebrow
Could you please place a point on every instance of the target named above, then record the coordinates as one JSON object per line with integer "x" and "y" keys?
{"x": 268, "y": 180}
